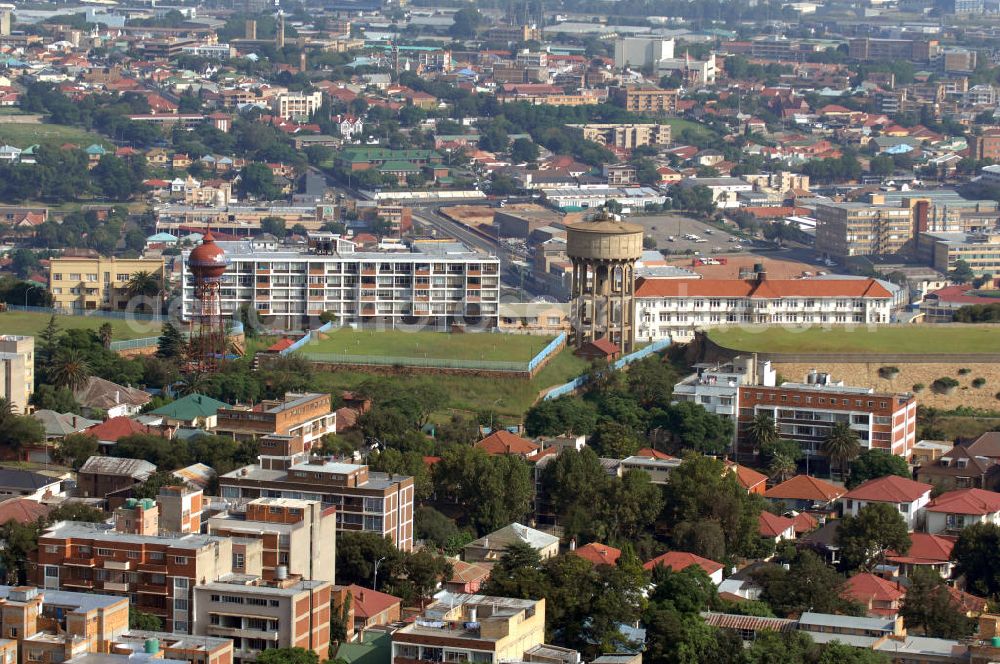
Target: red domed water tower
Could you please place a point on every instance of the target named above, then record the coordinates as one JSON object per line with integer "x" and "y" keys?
{"x": 209, "y": 341}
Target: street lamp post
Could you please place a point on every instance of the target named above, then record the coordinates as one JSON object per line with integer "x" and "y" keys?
{"x": 375, "y": 577}
{"x": 27, "y": 290}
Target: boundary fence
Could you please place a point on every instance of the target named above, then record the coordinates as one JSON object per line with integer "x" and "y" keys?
{"x": 529, "y": 367}
{"x": 577, "y": 383}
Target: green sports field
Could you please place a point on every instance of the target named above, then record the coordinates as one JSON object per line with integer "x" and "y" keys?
{"x": 435, "y": 345}
{"x": 906, "y": 339}
{"x": 17, "y": 322}
{"x": 24, "y": 134}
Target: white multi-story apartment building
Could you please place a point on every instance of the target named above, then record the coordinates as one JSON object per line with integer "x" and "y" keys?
{"x": 433, "y": 285}
{"x": 17, "y": 370}
{"x": 676, "y": 308}
{"x": 296, "y": 104}
{"x": 716, "y": 388}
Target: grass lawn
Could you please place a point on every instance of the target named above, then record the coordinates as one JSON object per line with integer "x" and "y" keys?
{"x": 397, "y": 343}
{"x": 897, "y": 339}
{"x": 18, "y": 322}
{"x": 955, "y": 427}
{"x": 509, "y": 397}
{"x": 679, "y": 124}
{"x": 22, "y": 135}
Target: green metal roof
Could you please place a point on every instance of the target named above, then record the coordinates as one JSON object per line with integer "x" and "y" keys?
{"x": 190, "y": 407}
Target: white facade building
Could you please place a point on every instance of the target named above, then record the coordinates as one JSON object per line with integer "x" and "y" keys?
{"x": 299, "y": 105}
{"x": 716, "y": 388}
{"x": 676, "y": 308}
{"x": 638, "y": 52}
{"x": 431, "y": 287}
{"x": 17, "y": 370}
{"x": 908, "y": 496}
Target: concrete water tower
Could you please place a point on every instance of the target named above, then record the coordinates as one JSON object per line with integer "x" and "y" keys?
{"x": 602, "y": 298}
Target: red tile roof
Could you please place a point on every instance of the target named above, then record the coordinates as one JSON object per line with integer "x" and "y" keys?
{"x": 22, "y": 510}
{"x": 280, "y": 345}
{"x": 925, "y": 549}
{"x": 890, "y": 489}
{"x": 118, "y": 427}
{"x": 966, "y": 501}
{"x": 772, "y": 525}
{"x": 748, "y": 477}
{"x": 505, "y": 442}
{"x": 866, "y": 587}
{"x": 804, "y": 523}
{"x": 650, "y": 453}
{"x": 599, "y": 554}
{"x": 767, "y": 288}
{"x": 678, "y": 561}
{"x": 805, "y": 487}
{"x": 368, "y": 602}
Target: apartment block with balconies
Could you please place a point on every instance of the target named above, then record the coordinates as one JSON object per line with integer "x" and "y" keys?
{"x": 259, "y": 616}
{"x": 473, "y": 628}
{"x": 85, "y": 283}
{"x": 158, "y": 572}
{"x": 307, "y": 415}
{"x": 297, "y": 535}
{"x": 364, "y": 501}
{"x": 806, "y": 413}
{"x": 288, "y": 287}
{"x": 53, "y": 626}
{"x": 17, "y": 370}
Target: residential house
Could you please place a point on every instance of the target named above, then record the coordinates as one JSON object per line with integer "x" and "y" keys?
{"x": 804, "y": 492}
{"x": 880, "y": 597}
{"x": 775, "y": 528}
{"x": 908, "y": 496}
{"x": 926, "y": 551}
{"x": 679, "y": 561}
{"x": 22, "y": 510}
{"x": 950, "y": 512}
{"x": 491, "y": 547}
{"x": 103, "y": 396}
{"x": 465, "y": 577}
{"x": 29, "y": 484}
{"x": 960, "y": 468}
{"x": 59, "y": 425}
{"x": 102, "y": 475}
{"x": 372, "y": 607}
{"x": 195, "y": 411}
{"x": 110, "y": 431}
{"x": 505, "y": 442}
{"x": 598, "y": 554}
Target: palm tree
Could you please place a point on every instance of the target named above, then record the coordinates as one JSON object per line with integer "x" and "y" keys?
{"x": 70, "y": 370}
{"x": 193, "y": 383}
{"x": 781, "y": 467}
{"x": 841, "y": 446}
{"x": 6, "y": 409}
{"x": 106, "y": 334}
{"x": 762, "y": 430}
{"x": 143, "y": 285}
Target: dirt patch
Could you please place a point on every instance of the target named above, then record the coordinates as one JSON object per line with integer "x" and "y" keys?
{"x": 866, "y": 374}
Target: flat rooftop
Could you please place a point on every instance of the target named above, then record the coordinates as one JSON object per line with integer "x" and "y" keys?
{"x": 71, "y": 600}
{"x": 105, "y": 532}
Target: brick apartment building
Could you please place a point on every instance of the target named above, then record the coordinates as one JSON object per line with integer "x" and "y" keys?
{"x": 645, "y": 100}
{"x": 297, "y": 535}
{"x": 307, "y": 415}
{"x": 158, "y": 571}
{"x": 284, "y": 613}
{"x": 53, "y": 626}
{"x": 806, "y": 412}
{"x": 368, "y": 501}
{"x": 181, "y": 647}
{"x": 476, "y": 628}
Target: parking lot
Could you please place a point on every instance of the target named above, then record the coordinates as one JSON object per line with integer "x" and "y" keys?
{"x": 663, "y": 227}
